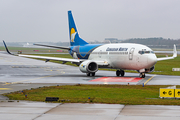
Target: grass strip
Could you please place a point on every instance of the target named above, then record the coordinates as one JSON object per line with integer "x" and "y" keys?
{"x": 110, "y": 94}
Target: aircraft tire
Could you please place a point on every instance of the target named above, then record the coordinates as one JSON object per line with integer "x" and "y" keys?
{"x": 88, "y": 74}
{"x": 93, "y": 74}
{"x": 122, "y": 73}
{"x": 118, "y": 72}
{"x": 142, "y": 75}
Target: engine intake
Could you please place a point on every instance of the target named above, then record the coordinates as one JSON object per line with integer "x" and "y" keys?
{"x": 88, "y": 66}
{"x": 149, "y": 70}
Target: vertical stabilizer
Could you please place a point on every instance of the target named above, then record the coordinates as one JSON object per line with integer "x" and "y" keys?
{"x": 73, "y": 33}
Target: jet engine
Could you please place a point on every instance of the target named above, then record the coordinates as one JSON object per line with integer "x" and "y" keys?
{"x": 88, "y": 66}
{"x": 150, "y": 69}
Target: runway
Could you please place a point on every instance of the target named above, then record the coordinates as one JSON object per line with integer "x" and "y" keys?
{"x": 17, "y": 73}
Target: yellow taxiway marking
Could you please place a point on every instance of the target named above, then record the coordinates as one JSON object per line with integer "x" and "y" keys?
{"x": 149, "y": 80}
{"x": 5, "y": 88}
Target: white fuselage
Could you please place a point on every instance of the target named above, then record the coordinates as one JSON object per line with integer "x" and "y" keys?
{"x": 125, "y": 56}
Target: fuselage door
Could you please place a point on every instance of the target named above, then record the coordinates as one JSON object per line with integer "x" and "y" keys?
{"x": 131, "y": 53}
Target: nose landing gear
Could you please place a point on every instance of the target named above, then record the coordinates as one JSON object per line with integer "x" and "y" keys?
{"x": 142, "y": 75}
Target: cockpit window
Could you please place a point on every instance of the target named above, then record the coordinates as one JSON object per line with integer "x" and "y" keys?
{"x": 145, "y": 52}
{"x": 152, "y": 52}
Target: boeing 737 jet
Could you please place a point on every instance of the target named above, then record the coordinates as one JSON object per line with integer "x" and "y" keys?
{"x": 91, "y": 57}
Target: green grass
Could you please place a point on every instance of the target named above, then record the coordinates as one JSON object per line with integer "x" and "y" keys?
{"x": 31, "y": 50}
{"x": 110, "y": 94}
{"x": 165, "y": 67}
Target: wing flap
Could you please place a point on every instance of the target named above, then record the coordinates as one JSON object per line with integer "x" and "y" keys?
{"x": 99, "y": 62}
{"x": 52, "y": 58}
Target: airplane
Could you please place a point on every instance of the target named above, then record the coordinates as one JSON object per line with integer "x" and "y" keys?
{"x": 91, "y": 57}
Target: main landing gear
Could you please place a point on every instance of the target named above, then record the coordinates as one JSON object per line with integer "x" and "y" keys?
{"x": 90, "y": 74}
{"x": 142, "y": 75}
{"x": 120, "y": 72}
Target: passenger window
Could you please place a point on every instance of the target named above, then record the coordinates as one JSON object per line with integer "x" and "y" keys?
{"x": 147, "y": 52}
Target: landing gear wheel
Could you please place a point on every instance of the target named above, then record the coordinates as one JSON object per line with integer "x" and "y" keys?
{"x": 142, "y": 75}
{"x": 93, "y": 74}
{"x": 118, "y": 73}
{"x": 122, "y": 73}
{"x": 88, "y": 74}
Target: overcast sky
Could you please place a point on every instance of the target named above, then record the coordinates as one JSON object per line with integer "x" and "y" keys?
{"x": 47, "y": 21}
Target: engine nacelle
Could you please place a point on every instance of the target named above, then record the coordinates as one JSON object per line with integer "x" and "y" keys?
{"x": 88, "y": 66}
{"x": 149, "y": 70}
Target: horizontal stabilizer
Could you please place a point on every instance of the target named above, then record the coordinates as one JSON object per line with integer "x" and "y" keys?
{"x": 58, "y": 47}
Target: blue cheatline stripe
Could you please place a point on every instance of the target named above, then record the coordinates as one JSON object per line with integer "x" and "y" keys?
{"x": 83, "y": 52}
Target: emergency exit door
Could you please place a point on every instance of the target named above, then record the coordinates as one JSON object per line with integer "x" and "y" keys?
{"x": 131, "y": 53}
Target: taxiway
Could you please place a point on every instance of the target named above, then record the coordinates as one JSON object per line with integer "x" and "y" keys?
{"x": 17, "y": 73}
{"x": 16, "y": 69}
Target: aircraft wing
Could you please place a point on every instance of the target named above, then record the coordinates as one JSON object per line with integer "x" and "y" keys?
{"x": 46, "y": 58}
{"x": 99, "y": 62}
{"x": 52, "y": 58}
{"x": 167, "y": 58}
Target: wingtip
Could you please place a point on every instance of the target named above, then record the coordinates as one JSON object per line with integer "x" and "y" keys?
{"x": 7, "y": 48}
{"x": 4, "y": 42}
{"x": 174, "y": 51}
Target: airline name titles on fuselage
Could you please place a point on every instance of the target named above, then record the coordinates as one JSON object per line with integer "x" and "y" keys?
{"x": 116, "y": 49}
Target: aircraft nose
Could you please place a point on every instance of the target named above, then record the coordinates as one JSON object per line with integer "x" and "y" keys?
{"x": 152, "y": 59}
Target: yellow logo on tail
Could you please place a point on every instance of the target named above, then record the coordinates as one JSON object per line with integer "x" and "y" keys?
{"x": 73, "y": 34}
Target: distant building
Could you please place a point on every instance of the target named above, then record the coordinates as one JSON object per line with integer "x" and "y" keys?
{"x": 112, "y": 40}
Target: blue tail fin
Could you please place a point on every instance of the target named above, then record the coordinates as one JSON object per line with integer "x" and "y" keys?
{"x": 73, "y": 33}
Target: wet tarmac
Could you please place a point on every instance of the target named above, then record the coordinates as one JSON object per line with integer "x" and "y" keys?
{"x": 17, "y": 73}
{"x": 26, "y": 110}
{"x": 24, "y": 70}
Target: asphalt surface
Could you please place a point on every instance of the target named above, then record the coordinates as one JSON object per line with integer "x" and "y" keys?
{"x": 24, "y": 70}
{"x": 17, "y": 74}
{"x": 27, "y": 110}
